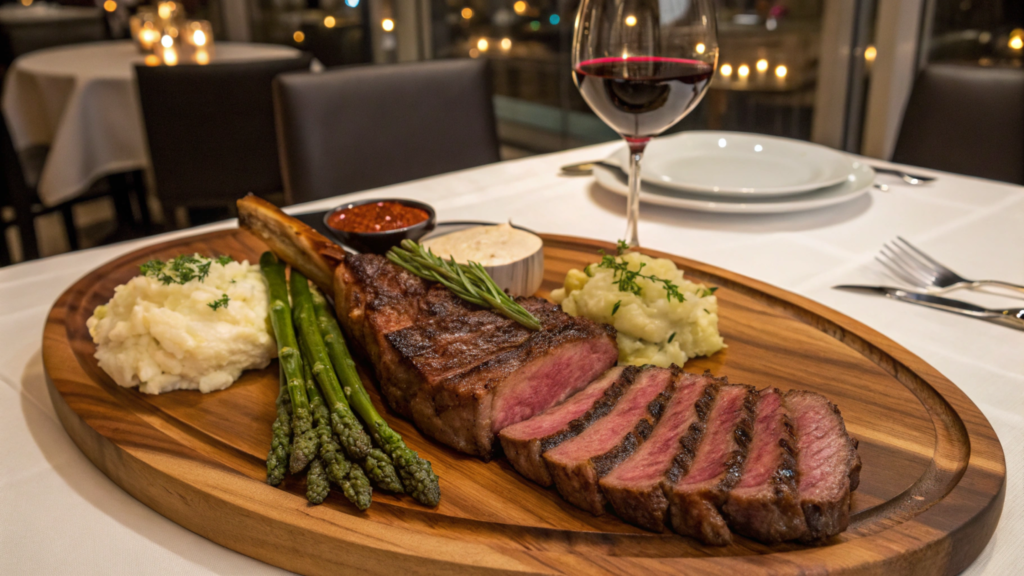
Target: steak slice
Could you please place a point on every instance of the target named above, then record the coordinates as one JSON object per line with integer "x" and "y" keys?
{"x": 765, "y": 504}
{"x": 634, "y": 487}
{"x": 828, "y": 465}
{"x": 577, "y": 464}
{"x": 461, "y": 372}
{"x": 525, "y": 441}
{"x": 697, "y": 487}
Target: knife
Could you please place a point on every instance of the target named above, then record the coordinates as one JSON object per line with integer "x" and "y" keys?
{"x": 1012, "y": 317}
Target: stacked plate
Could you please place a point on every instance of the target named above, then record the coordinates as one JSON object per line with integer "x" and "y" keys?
{"x": 735, "y": 172}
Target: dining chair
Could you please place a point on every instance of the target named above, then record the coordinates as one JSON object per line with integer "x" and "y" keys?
{"x": 965, "y": 119}
{"x": 211, "y": 131}
{"x": 357, "y": 128}
{"x": 17, "y": 38}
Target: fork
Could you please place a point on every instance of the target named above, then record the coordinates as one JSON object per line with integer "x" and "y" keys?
{"x": 913, "y": 266}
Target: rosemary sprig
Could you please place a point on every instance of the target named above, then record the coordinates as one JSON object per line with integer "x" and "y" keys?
{"x": 467, "y": 281}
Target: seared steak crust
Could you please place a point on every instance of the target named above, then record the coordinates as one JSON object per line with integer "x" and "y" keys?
{"x": 634, "y": 488}
{"x": 578, "y": 464}
{"x": 765, "y": 503}
{"x": 462, "y": 373}
{"x": 828, "y": 464}
{"x": 526, "y": 441}
{"x": 712, "y": 469}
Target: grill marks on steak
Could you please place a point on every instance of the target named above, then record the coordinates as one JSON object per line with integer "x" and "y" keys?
{"x": 828, "y": 465}
{"x": 634, "y": 487}
{"x": 525, "y": 441}
{"x": 696, "y": 495}
{"x": 460, "y": 372}
{"x": 765, "y": 504}
{"x": 577, "y": 464}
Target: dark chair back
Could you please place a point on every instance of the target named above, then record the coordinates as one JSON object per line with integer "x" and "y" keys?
{"x": 966, "y": 119}
{"x": 211, "y": 130}
{"x": 352, "y": 129}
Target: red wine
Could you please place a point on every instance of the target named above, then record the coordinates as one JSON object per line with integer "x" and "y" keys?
{"x": 642, "y": 96}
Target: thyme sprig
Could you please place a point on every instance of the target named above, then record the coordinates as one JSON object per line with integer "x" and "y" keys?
{"x": 626, "y": 279}
{"x": 471, "y": 282}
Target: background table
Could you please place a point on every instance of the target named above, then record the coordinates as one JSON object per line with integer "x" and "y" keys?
{"x": 59, "y": 514}
{"x": 82, "y": 101}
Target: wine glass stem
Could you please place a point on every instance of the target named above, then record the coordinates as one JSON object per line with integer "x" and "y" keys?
{"x": 633, "y": 203}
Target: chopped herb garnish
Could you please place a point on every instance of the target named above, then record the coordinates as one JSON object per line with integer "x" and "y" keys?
{"x": 616, "y": 307}
{"x": 672, "y": 337}
{"x": 708, "y": 291}
{"x": 621, "y": 247}
{"x": 224, "y": 260}
{"x": 221, "y": 302}
{"x": 626, "y": 278}
{"x": 706, "y": 310}
{"x": 181, "y": 269}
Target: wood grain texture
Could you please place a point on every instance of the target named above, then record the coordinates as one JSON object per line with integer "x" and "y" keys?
{"x": 931, "y": 491}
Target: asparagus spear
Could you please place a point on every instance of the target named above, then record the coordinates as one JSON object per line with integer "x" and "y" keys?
{"x": 317, "y": 486}
{"x": 354, "y": 439}
{"x": 304, "y": 444}
{"x": 349, "y": 478}
{"x": 281, "y": 442}
{"x": 417, "y": 475}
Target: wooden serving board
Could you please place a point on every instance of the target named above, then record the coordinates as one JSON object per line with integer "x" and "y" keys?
{"x": 930, "y": 496}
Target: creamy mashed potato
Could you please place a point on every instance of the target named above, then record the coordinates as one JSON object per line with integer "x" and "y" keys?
{"x": 651, "y": 328}
{"x": 163, "y": 336}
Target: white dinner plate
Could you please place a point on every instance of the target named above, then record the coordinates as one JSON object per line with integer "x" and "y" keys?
{"x": 856, "y": 184}
{"x": 738, "y": 164}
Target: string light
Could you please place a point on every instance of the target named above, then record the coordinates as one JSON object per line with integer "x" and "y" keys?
{"x": 535, "y": 25}
{"x": 870, "y": 53}
{"x": 299, "y": 37}
{"x": 1016, "y": 39}
{"x": 520, "y": 7}
{"x": 467, "y": 13}
{"x": 482, "y": 44}
{"x": 329, "y": 21}
{"x": 26, "y": 2}
{"x": 554, "y": 19}
{"x": 388, "y": 24}
{"x": 761, "y": 65}
{"x": 701, "y": 48}
{"x": 743, "y": 70}
{"x": 726, "y": 70}
{"x": 110, "y": 5}
{"x": 630, "y": 20}
{"x": 781, "y": 71}
{"x": 506, "y": 44}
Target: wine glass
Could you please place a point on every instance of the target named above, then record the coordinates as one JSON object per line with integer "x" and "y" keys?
{"x": 642, "y": 65}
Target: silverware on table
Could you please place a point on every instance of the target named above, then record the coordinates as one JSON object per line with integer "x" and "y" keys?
{"x": 1011, "y": 317}
{"x": 912, "y": 179}
{"x": 908, "y": 263}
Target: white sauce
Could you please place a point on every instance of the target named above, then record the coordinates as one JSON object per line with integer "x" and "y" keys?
{"x": 487, "y": 245}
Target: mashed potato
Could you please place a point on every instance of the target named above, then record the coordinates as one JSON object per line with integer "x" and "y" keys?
{"x": 162, "y": 335}
{"x": 651, "y": 328}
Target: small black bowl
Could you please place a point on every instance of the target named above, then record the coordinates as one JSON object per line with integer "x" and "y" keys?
{"x": 381, "y": 242}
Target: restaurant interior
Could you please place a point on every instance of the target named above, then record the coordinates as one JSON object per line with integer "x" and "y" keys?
{"x": 556, "y": 286}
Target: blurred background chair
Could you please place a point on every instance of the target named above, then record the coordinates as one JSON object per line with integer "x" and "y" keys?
{"x": 359, "y": 128}
{"x": 59, "y": 26}
{"x": 211, "y": 134}
{"x": 966, "y": 119}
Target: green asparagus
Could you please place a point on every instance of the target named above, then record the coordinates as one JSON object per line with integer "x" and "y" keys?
{"x": 354, "y": 439}
{"x": 304, "y": 443}
{"x": 349, "y": 478}
{"x": 417, "y": 475}
{"x": 317, "y": 486}
{"x": 281, "y": 442}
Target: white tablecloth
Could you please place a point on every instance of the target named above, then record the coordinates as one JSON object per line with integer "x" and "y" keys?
{"x": 59, "y": 514}
{"x": 81, "y": 100}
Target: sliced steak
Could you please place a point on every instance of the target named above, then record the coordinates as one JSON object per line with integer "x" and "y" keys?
{"x": 828, "y": 465}
{"x": 525, "y": 441}
{"x": 460, "y": 372}
{"x": 697, "y": 486}
{"x": 634, "y": 487}
{"x": 577, "y": 464}
{"x": 764, "y": 504}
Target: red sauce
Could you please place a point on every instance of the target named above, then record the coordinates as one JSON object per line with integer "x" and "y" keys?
{"x": 376, "y": 217}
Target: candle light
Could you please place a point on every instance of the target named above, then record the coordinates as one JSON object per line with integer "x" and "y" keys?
{"x": 197, "y": 41}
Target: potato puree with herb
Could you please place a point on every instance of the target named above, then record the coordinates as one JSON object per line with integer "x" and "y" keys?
{"x": 188, "y": 324}
{"x": 652, "y": 328}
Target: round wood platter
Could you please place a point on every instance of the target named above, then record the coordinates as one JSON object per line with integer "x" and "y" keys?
{"x": 931, "y": 491}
